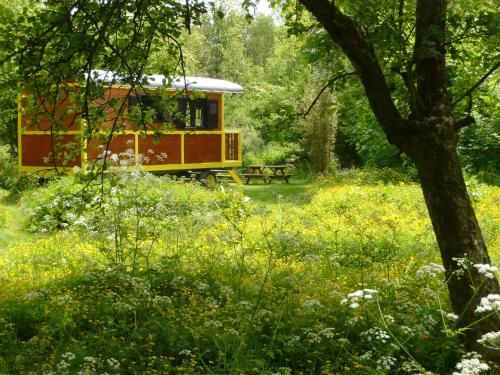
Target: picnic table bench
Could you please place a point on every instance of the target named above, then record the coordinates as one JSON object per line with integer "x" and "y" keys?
{"x": 278, "y": 171}
{"x": 257, "y": 172}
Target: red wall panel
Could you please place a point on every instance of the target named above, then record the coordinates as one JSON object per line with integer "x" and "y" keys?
{"x": 37, "y": 148}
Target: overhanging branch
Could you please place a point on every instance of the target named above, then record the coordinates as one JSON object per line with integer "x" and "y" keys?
{"x": 347, "y": 33}
{"x": 477, "y": 84}
{"x": 462, "y": 123}
{"x": 328, "y": 84}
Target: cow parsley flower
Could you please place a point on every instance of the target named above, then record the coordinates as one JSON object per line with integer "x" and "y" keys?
{"x": 486, "y": 269}
{"x": 490, "y": 338}
{"x": 376, "y": 334}
{"x": 354, "y": 298}
{"x": 312, "y": 303}
{"x": 327, "y": 332}
{"x": 471, "y": 365}
{"x": 63, "y": 365}
{"x": 452, "y": 316}
{"x": 113, "y": 363}
{"x": 430, "y": 270}
{"x": 68, "y": 356}
{"x": 385, "y": 363}
{"x": 489, "y": 303}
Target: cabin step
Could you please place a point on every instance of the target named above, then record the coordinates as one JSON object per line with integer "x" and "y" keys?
{"x": 223, "y": 175}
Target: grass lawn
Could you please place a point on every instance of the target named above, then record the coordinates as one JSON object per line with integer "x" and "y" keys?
{"x": 279, "y": 194}
{"x": 11, "y": 223}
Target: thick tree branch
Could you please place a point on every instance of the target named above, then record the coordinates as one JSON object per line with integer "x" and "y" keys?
{"x": 429, "y": 56}
{"x": 346, "y": 33}
{"x": 466, "y": 121}
{"x": 328, "y": 84}
{"x": 477, "y": 84}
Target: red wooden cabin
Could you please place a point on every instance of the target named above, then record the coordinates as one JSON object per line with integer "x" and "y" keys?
{"x": 188, "y": 135}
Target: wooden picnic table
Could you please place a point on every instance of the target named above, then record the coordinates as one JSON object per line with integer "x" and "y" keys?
{"x": 257, "y": 172}
{"x": 278, "y": 171}
{"x": 256, "y": 169}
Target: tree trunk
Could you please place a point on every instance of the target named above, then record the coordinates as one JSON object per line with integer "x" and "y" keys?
{"x": 457, "y": 231}
{"x": 429, "y": 137}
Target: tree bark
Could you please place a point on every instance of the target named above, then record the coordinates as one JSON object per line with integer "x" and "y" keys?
{"x": 457, "y": 232}
{"x": 429, "y": 138}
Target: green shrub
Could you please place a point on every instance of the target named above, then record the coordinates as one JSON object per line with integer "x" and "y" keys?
{"x": 370, "y": 176}
{"x": 10, "y": 178}
{"x": 55, "y": 205}
{"x": 271, "y": 154}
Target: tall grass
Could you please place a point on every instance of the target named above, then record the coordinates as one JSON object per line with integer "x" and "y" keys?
{"x": 148, "y": 275}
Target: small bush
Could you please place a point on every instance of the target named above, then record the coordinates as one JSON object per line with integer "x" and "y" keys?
{"x": 371, "y": 176}
{"x": 10, "y": 177}
{"x": 271, "y": 154}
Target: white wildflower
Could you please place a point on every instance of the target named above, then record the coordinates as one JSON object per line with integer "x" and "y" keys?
{"x": 376, "y": 334}
{"x": 430, "y": 270}
{"x": 343, "y": 342}
{"x": 201, "y": 286}
{"x": 226, "y": 290}
{"x": 471, "y": 365}
{"x": 313, "y": 303}
{"x": 246, "y": 305}
{"x": 327, "y": 332}
{"x": 265, "y": 315}
{"x": 385, "y": 363}
{"x": 354, "y": 298}
{"x": 63, "y": 300}
{"x": 185, "y": 352}
{"x": 406, "y": 330}
{"x": 63, "y": 365}
{"x": 158, "y": 300}
{"x": 489, "y": 303}
{"x": 490, "y": 339}
{"x": 212, "y": 324}
{"x": 90, "y": 360}
{"x": 233, "y": 332}
{"x": 113, "y": 363}
{"x": 32, "y": 295}
{"x": 487, "y": 270}
{"x": 366, "y": 356}
{"x": 353, "y": 321}
{"x": 389, "y": 318}
{"x": 68, "y": 356}
{"x": 178, "y": 280}
{"x": 451, "y": 316}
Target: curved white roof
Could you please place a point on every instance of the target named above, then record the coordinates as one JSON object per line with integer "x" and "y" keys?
{"x": 192, "y": 83}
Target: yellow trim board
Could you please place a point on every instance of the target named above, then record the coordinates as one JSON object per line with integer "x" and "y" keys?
{"x": 235, "y": 176}
{"x": 149, "y": 168}
{"x": 48, "y": 132}
{"x": 179, "y": 167}
{"x": 19, "y": 129}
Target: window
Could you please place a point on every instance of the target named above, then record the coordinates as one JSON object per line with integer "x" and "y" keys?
{"x": 153, "y": 103}
{"x": 195, "y": 113}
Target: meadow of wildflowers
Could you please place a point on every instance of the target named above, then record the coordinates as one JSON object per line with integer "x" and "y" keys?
{"x": 150, "y": 275}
